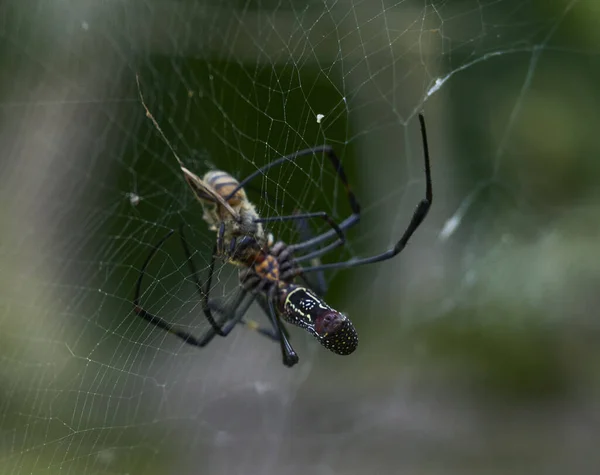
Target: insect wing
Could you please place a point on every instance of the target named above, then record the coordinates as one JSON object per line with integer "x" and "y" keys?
{"x": 205, "y": 193}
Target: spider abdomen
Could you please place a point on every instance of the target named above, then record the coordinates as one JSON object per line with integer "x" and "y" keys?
{"x": 333, "y": 329}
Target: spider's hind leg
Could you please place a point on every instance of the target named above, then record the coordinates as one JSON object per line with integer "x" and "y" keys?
{"x": 238, "y": 317}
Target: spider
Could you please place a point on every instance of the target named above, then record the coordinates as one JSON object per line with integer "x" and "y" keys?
{"x": 268, "y": 269}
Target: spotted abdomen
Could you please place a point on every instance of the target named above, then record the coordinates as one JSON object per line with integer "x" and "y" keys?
{"x": 333, "y": 329}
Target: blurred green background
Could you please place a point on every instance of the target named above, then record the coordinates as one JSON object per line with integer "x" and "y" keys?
{"x": 478, "y": 345}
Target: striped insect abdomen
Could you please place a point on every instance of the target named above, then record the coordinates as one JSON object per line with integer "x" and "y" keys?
{"x": 223, "y": 184}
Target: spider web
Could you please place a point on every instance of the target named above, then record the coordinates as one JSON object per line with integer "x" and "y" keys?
{"x": 484, "y": 307}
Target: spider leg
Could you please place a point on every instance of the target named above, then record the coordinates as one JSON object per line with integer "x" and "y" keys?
{"x": 301, "y": 219}
{"x": 238, "y": 318}
{"x": 318, "y": 284}
{"x": 252, "y": 283}
{"x": 290, "y": 358}
{"x": 272, "y": 332}
{"x": 227, "y": 323}
{"x": 319, "y": 252}
{"x": 225, "y": 330}
{"x": 304, "y": 216}
{"x": 234, "y": 314}
{"x": 138, "y": 284}
{"x": 161, "y": 323}
{"x": 206, "y": 291}
{"x": 339, "y": 169}
{"x": 417, "y": 218}
{"x": 239, "y": 307}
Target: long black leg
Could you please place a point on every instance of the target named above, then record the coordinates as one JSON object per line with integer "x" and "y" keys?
{"x": 190, "y": 261}
{"x": 187, "y": 337}
{"x": 290, "y": 358}
{"x": 138, "y": 284}
{"x": 234, "y": 314}
{"x": 237, "y": 307}
{"x": 319, "y": 285}
{"x": 324, "y": 250}
{"x": 205, "y": 293}
{"x": 417, "y": 219}
{"x": 227, "y": 313}
{"x": 238, "y": 317}
{"x": 344, "y": 226}
{"x": 310, "y": 235}
{"x": 339, "y": 169}
{"x": 274, "y": 331}
{"x": 317, "y": 214}
{"x": 160, "y": 323}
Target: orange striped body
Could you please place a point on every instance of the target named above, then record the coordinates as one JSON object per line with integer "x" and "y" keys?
{"x": 223, "y": 183}
{"x": 268, "y": 268}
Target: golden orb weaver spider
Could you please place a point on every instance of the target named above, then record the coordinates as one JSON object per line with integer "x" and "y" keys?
{"x": 268, "y": 269}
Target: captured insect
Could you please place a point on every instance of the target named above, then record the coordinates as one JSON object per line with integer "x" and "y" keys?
{"x": 269, "y": 269}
